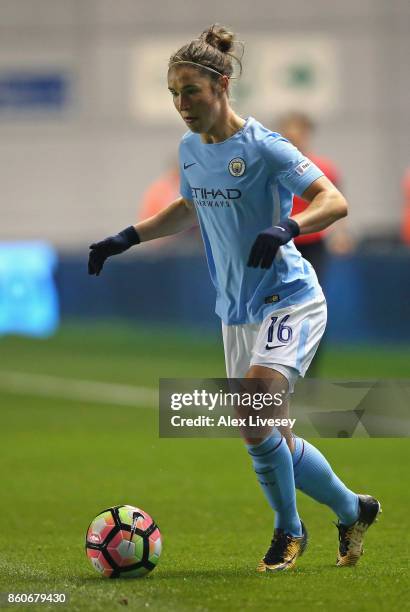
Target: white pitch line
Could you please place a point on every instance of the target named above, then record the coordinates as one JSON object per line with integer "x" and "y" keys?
{"x": 73, "y": 389}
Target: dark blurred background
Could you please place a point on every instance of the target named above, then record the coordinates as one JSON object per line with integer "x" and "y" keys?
{"x": 87, "y": 129}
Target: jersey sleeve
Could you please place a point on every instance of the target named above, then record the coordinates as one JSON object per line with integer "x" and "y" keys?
{"x": 184, "y": 188}
{"x": 288, "y": 165}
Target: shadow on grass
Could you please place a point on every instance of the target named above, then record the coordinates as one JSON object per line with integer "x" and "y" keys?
{"x": 184, "y": 576}
{"x": 219, "y": 574}
{"x": 175, "y": 574}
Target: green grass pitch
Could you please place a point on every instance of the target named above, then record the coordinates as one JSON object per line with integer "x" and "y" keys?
{"x": 63, "y": 460}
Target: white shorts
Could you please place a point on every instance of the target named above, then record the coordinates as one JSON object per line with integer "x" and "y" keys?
{"x": 286, "y": 341}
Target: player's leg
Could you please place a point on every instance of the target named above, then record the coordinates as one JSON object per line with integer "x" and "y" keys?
{"x": 269, "y": 452}
{"x": 267, "y": 447}
{"x": 313, "y": 473}
{"x": 304, "y": 329}
{"x": 315, "y": 477}
{"x": 272, "y": 462}
{"x": 271, "y": 456}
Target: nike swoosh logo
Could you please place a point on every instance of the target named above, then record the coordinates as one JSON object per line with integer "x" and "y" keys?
{"x": 188, "y": 165}
{"x": 269, "y": 348}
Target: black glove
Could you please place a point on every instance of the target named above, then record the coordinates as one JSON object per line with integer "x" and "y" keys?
{"x": 268, "y": 242}
{"x": 113, "y": 245}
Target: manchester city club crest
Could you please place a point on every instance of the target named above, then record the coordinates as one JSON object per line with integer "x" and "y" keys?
{"x": 237, "y": 166}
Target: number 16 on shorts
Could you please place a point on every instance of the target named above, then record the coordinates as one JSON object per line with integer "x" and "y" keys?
{"x": 291, "y": 336}
{"x": 283, "y": 332}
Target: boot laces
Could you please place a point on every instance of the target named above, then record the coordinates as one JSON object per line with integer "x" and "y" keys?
{"x": 349, "y": 536}
{"x": 280, "y": 545}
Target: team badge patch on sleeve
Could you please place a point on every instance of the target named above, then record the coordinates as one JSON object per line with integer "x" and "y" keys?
{"x": 305, "y": 165}
{"x": 237, "y": 166}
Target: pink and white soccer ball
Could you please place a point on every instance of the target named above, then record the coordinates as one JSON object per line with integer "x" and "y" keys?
{"x": 123, "y": 541}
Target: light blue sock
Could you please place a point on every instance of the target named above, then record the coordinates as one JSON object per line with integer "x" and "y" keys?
{"x": 272, "y": 462}
{"x": 315, "y": 477}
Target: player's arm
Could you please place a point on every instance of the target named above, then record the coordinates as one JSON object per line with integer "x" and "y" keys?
{"x": 326, "y": 205}
{"x": 298, "y": 175}
{"x": 324, "y": 194}
{"x": 178, "y": 216}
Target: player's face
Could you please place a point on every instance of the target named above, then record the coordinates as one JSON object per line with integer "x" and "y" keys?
{"x": 197, "y": 98}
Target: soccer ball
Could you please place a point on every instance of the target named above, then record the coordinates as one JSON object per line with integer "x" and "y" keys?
{"x": 123, "y": 541}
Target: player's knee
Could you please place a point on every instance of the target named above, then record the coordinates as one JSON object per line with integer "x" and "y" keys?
{"x": 268, "y": 376}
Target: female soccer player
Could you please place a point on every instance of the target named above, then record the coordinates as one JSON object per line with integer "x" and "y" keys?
{"x": 237, "y": 181}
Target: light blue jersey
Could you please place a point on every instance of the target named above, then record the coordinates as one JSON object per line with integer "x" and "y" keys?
{"x": 240, "y": 187}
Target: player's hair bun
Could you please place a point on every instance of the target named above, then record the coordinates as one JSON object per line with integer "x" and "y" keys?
{"x": 211, "y": 52}
{"x": 219, "y": 37}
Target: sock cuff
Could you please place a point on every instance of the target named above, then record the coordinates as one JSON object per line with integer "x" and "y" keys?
{"x": 264, "y": 448}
